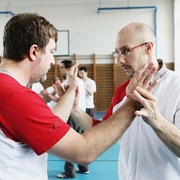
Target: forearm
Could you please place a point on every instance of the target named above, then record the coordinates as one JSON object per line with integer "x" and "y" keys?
{"x": 64, "y": 105}
{"x": 85, "y": 148}
{"x": 169, "y": 134}
{"x": 82, "y": 119}
{"x": 46, "y": 96}
{"x": 108, "y": 132}
{"x": 90, "y": 92}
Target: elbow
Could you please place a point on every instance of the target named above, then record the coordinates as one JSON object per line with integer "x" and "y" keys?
{"x": 87, "y": 159}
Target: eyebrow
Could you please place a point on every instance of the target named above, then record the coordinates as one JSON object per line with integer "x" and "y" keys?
{"x": 124, "y": 47}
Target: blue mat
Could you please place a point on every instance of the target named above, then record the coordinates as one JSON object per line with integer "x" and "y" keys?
{"x": 104, "y": 167}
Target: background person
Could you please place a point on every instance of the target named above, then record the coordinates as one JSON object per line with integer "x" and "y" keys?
{"x": 49, "y": 94}
{"x": 90, "y": 87}
{"x": 69, "y": 170}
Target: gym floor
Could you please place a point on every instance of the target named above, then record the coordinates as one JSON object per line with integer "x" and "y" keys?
{"x": 104, "y": 167}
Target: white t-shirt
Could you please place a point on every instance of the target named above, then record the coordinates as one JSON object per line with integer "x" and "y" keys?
{"x": 23, "y": 161}
{"x": 90, "y": 98}
{"x": 51, "y": 104}
{"x": 143, "y": 156}
{"x": 37, "y": 87}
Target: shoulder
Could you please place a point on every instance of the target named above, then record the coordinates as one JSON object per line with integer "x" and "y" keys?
{"x": 90, "y": 81}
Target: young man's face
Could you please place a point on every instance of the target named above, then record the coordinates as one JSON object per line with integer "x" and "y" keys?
{"x": 82, "y": 74}
{"x": 44, "y": 62}
{"x": 63, "y": 70}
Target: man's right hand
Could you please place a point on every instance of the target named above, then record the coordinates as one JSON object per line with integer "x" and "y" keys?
{"x": 143, "y": 78}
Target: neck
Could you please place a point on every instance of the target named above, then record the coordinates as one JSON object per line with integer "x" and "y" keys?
{"x": 15, "y": 70}
{"x": 85, "y": 78}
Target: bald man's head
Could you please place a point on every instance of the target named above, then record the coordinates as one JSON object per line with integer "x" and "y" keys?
{"x": 135, "y": 33}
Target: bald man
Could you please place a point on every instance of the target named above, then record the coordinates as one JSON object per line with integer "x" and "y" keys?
{"x": 150, "y": 147}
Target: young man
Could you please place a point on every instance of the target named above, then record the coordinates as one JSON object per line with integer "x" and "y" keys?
{"x": 28, "y": 128}
{"x": 69, "y": 170}
{"x": 150, "y": 147}
{"x": 90, "y": 87}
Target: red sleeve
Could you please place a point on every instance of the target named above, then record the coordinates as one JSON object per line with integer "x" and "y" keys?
{"x": 26, "y": 118}
{"x": 96, "y": 121}
{"x": 119, "y": 94}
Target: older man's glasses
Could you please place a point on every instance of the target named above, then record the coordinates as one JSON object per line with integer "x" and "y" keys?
{"x": 126, "y": 51}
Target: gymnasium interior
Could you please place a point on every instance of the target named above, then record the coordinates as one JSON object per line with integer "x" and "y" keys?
{"x": 87, "y": 33}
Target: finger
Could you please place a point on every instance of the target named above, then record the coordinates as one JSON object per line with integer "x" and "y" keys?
{"x": 138, "y": 73}
{"x": 143, "y": 95}
{"x": 71, "y": 71}
{"x": 149, "y": 75}
{"x": 59, "y": 89}
{"x": 140, "y": 113}
{"x": 75, "y": 70}
{"x": 138, "y": 97}
{"x": 153, "y": 85}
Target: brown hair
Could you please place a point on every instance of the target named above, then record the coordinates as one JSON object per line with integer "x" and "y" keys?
{"x": 24, "y": 30}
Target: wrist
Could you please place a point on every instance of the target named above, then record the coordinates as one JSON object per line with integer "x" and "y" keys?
{"x": 137, "y": 105}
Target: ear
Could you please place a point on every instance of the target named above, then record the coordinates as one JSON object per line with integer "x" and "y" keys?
{"x": 149, "y": 47}
{"x": 33, "y": 52}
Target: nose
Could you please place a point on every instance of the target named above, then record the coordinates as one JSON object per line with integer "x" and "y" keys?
{"x": 120, "y": 59}
{"x": 52, "y": 61}
{"x": 52, "y": 64}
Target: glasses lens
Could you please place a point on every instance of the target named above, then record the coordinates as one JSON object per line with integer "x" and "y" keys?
{"x": 125, "y": 52}
{"x": 115, "y": 53}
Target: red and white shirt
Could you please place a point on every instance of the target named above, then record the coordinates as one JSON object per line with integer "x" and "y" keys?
{"x": 28, "y": 129}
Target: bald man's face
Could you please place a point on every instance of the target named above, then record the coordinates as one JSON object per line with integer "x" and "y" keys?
{"x": 131, "y": 51}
